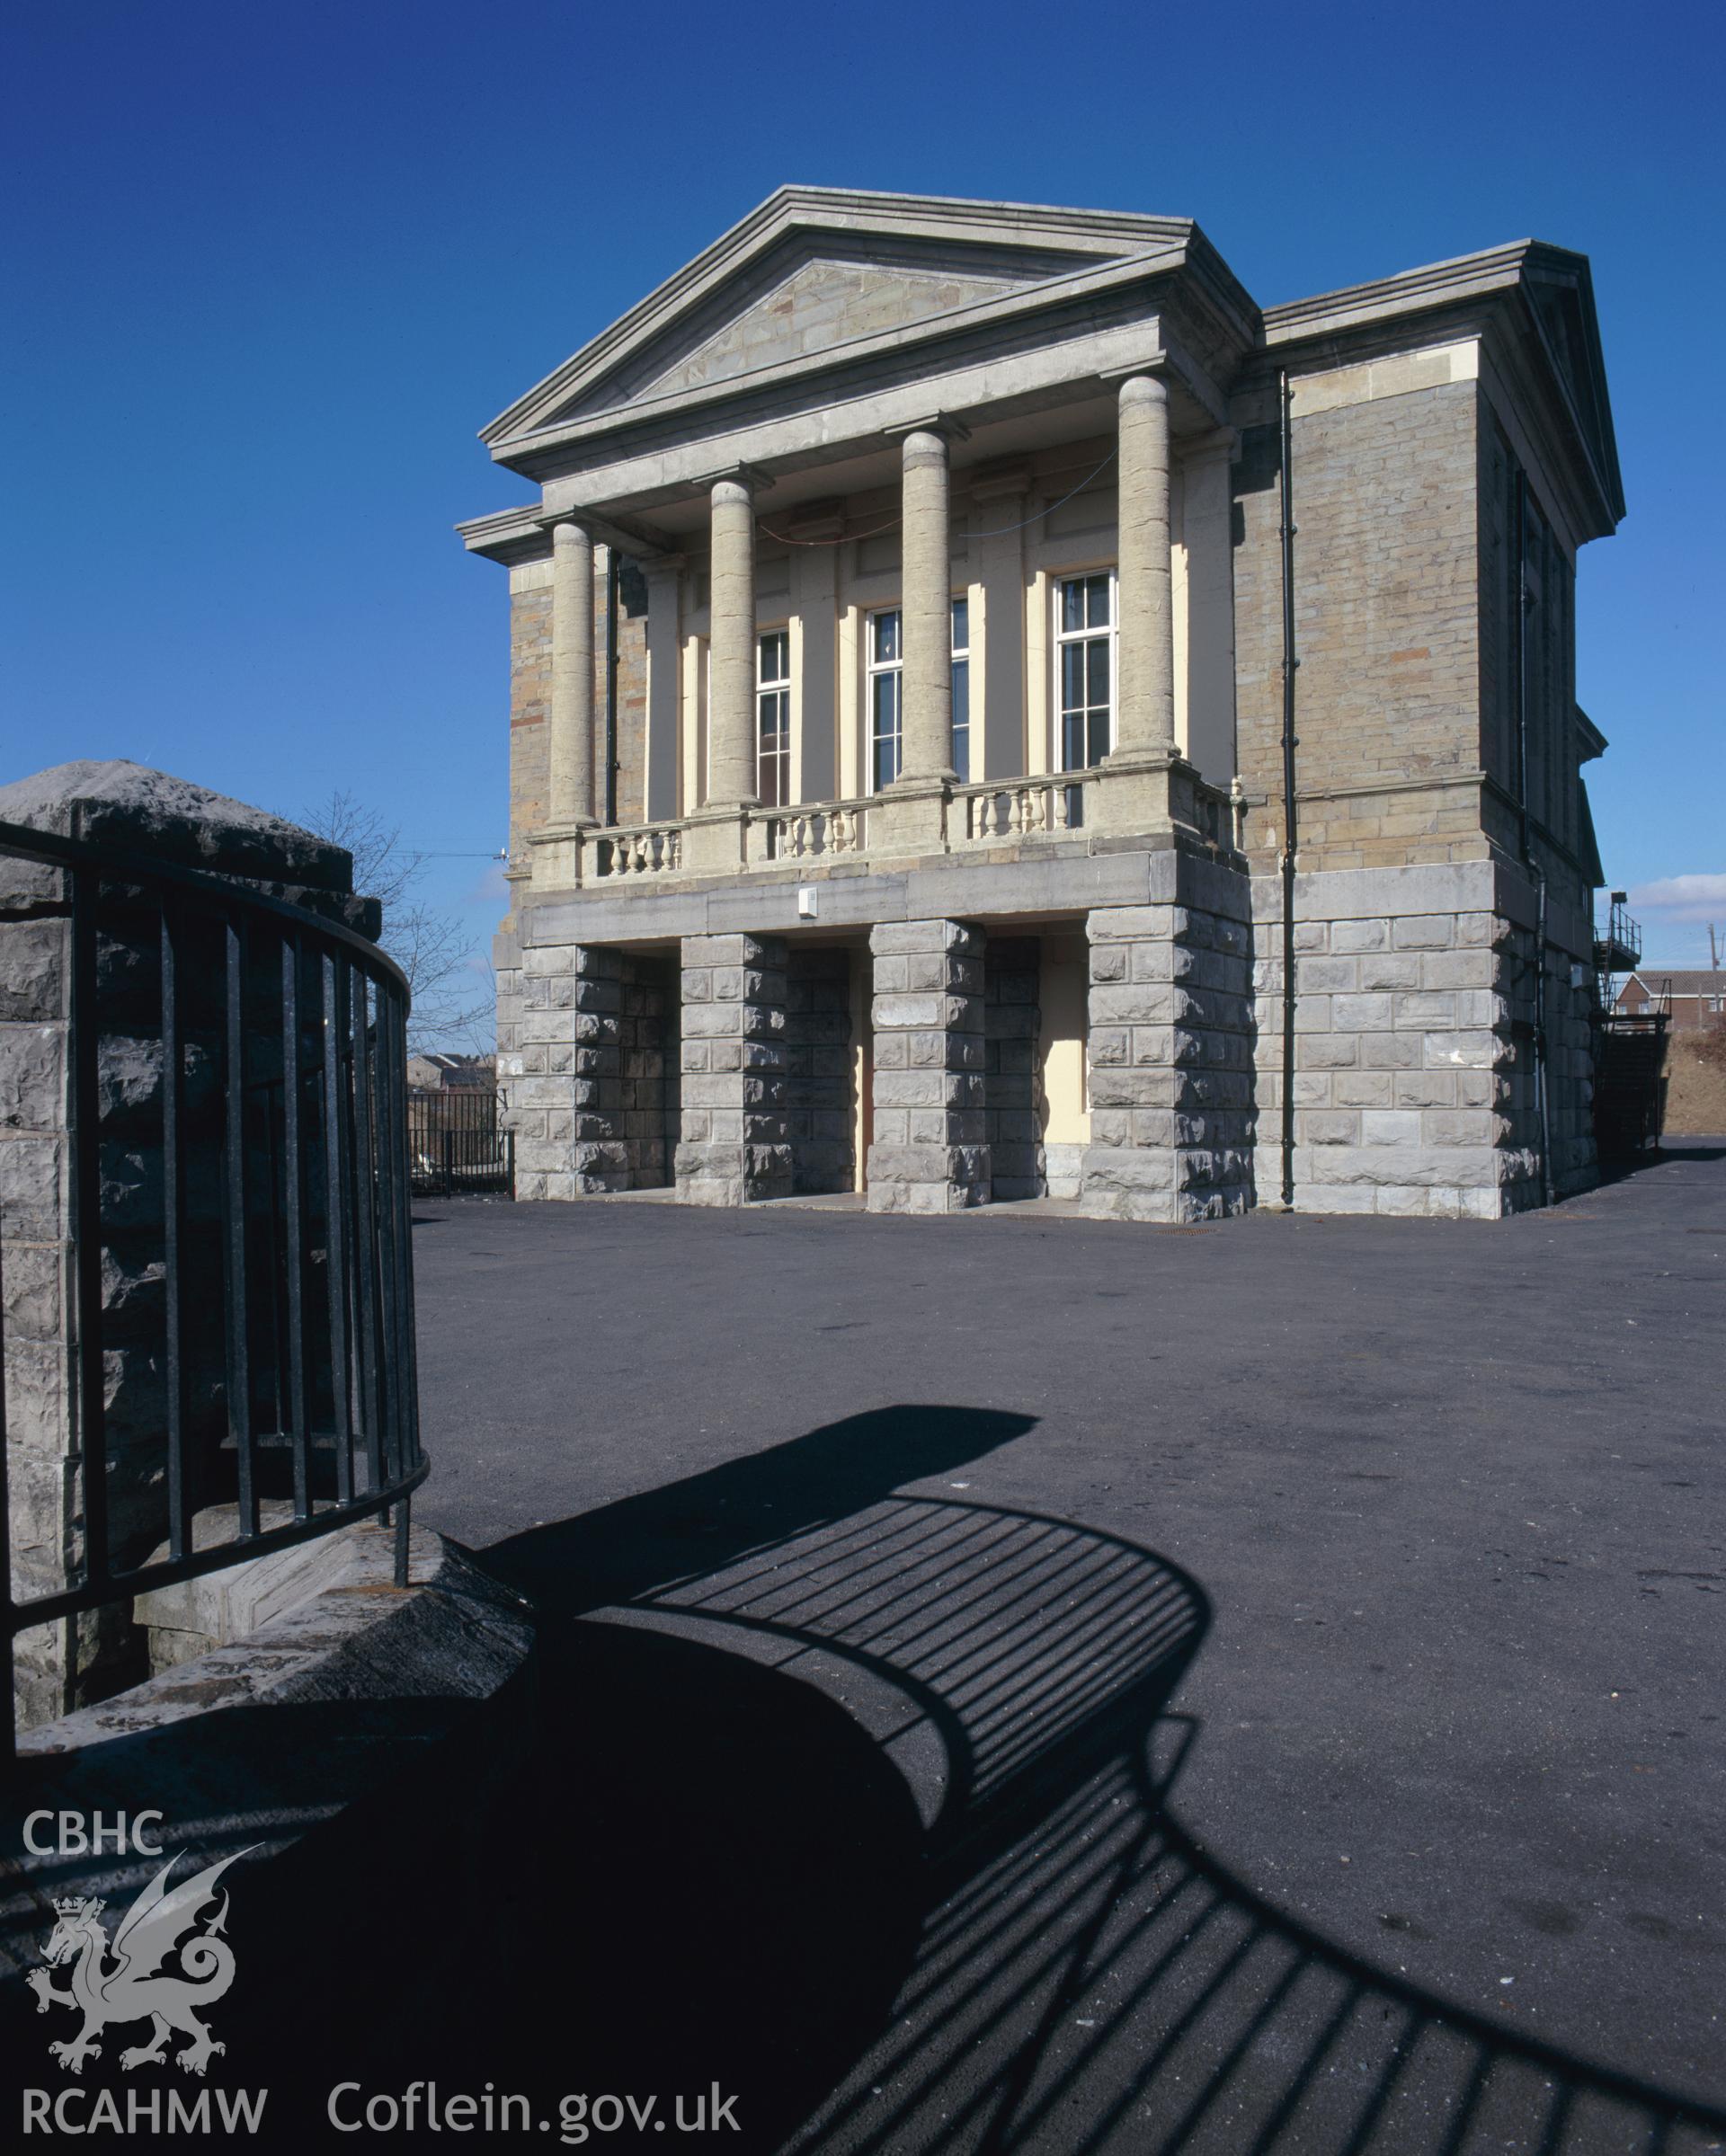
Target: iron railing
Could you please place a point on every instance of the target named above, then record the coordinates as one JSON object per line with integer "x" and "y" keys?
{"x": 263, "y": 1191}
{"x": 455, "y": 1144}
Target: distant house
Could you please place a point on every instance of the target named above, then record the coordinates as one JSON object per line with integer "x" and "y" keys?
{"x": 439, "y": 1073}
{"x": 1695, "y": 997}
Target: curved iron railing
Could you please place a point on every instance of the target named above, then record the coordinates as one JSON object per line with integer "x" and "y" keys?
{"x": 232, "y": 1196}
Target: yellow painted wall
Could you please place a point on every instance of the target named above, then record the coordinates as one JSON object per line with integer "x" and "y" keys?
{"x": 1064, "y": 1105}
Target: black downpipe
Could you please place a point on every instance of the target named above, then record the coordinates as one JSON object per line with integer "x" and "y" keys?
{"x": 1519, "y": 679}
{"x": 1290, "y": 743}
{"x": 611, "y": 685}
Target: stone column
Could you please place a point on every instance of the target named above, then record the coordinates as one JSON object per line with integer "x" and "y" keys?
{"x": 929, "y": 1153}
{"x": 1145, "y": 700}
{"x": 731, "y": 672}
{"x": 735, "y": 1144}
{"x": 927, "y": 603}
{"x": 569, "y": 786}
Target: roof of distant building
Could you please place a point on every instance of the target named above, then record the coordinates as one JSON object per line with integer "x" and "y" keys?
{"x": 460, "y": 1069}
{"x": 1683, "y": 980}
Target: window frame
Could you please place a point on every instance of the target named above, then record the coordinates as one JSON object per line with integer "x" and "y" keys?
{"x": 1060, "y": 641}
{"x": 780, "y": 688}
{"x": 959, "y": 655}
{"x": 876, "y": 668}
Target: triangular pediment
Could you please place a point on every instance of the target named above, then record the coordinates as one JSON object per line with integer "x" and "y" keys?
{"x": 823, "y": 298}
{"x": 815, "y": 270}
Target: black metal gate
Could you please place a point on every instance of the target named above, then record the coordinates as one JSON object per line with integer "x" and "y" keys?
{"x": 454, "y": 1144}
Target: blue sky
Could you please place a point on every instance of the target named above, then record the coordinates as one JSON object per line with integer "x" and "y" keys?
{"x": 270, "y": 267}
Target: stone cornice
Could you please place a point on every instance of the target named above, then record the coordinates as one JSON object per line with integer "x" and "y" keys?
{"x": 511, "y": 536}
{"x": 1434, "y": 284}
{"x": 1490, "y": 296}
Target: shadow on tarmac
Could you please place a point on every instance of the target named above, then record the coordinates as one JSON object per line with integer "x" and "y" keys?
{"x": 855, "y": 1804}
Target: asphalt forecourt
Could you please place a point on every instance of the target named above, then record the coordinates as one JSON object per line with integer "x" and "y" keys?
{"x": 1058, "y": 1685}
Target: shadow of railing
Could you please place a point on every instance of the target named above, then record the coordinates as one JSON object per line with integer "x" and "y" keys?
{"x": 1043, "y": 1960}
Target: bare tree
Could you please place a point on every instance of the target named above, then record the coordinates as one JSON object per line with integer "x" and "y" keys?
{"x": 454, "y": 991}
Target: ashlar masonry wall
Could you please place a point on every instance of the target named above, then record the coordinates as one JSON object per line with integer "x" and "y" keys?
{"x": 1414, "y": 1081}
{"x": 1387, "y": 614}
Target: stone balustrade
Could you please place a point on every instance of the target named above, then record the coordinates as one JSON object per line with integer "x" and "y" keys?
{"x": 1051, "y": 806}
{"x": 965, "y": 820}
{"x": 645, "y": 849}
{"x": 809, "y": 833}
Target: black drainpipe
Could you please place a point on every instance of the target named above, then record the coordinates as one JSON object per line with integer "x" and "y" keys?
{"x": 1290, "y": 743}
{"x": 1519, "y": 681}
{"x": 611, "y": 685}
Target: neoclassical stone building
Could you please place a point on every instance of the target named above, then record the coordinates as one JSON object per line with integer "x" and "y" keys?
{"x": 996, "y": 712}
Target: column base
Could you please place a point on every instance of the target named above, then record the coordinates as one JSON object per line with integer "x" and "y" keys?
{"x": 733, "y": 1175}
{"x": 716, "y": 841}
{"x": 735, "y": 1144}
{"x": 1141, "y": 790}
{"x": 928, "y": 1154}
{"x": 1169, "y": 1051}
{"x": 927, "y": 1178}
{"x": 908, "y": 817}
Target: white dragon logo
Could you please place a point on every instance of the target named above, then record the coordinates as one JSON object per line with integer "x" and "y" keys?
{"x": 133, "y": 1989}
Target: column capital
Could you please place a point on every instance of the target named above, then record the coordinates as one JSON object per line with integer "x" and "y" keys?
{"x": 1141, "y": 387}
{"x": 1153, "y": 366}
{"x": 744, "y": 479}
{"x": 941, "y": 424}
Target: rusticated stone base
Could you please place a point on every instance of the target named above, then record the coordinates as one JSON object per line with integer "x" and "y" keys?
{"x": 586, "y": 1079}
{"x": 735, "y": 1146}
{"x": 930, "y": 1154}
{"x": 1170, "y": 1052}
{"x": 1414, "y": 1081}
